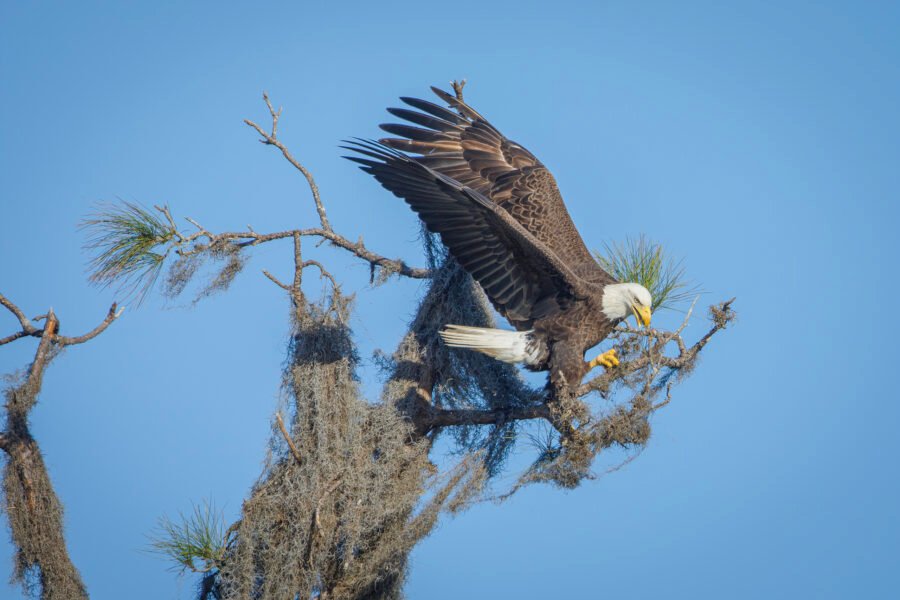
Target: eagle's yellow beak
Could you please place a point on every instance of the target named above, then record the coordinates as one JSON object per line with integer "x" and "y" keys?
{"x": 641, "y": 315}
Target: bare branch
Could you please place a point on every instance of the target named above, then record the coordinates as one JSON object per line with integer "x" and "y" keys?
{"x": 359, "y": 249}
{"x": 686, "y": 355}
{"x": 722, "y": 315}
{"x": 275, "y": 115}
{"x": 667, "y": 400}
{"x": 287, "y": 438}
{"x": 458, "y": 86}
{"x": 111, "y": 316}
{"x": 448, "y": 418}
{"x": 23, "y": 320}
{"x": 275, "y": 280}
{"x": 27, "y": 328}
{"x": 322, "y": 271}
{"x": 271, "y": 139}
{"x": 295, "y": 289}
{"x": 326, "y": 231}
{"x": 687, "y": 317}
{"x": 132, "y": 244}
{"x": 14, "y": 336}
{"x": 298, "y": 267}
{"x": 36, "y": 372}
{"x": 165, "y": 211}
{"x": 251, "y": 238}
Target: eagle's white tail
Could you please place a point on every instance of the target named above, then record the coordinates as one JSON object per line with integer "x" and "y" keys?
{"x": 508, "y": 346}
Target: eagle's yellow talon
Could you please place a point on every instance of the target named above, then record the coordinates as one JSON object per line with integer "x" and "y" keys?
{"x": 608, "y": 359}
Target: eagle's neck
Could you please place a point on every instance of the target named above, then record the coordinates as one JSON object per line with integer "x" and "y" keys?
{"x": 617, "y": 300}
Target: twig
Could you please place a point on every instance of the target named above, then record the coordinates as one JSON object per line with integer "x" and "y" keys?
{"x": 322, "y": 271}
{"x": 315, "y": 525}
{"x": 29, "y": 330}
{"x": 655, "y": 357}
{"x": 687, "y": 317}
{"x": 275, "y": 115}
{"x": 165, "y": 211}
{"x": 334, "y": 485}
{"x": 23, "y": 320}
{"x": 111, "y": 316}
{"x": 458, "y": 88}
{"x": 271, "y": 139}
{"x": 727, "y": 315}
{"x": 244, "y": 239}
{"x": 14, "y": 336}
{"x": 275, "y": 280}
{"x": 668, "y": 399}
{"x": 287, "y": 438}
{"x": 325, "y": 231}
{"x": 295, "y": 289}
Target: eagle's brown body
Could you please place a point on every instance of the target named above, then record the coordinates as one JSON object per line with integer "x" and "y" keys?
{"x": 500, "y": 213}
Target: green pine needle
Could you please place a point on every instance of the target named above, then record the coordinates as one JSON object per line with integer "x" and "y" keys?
{"x": 645, "y": 262}
{"x": 197, "y": 542}
{"x": 125, "y": 240}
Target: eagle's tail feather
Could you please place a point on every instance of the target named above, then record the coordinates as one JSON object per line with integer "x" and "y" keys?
{"x": 508, "y": 346}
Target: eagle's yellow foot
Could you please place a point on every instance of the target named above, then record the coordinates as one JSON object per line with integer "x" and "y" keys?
{"x": 608, "y": 359}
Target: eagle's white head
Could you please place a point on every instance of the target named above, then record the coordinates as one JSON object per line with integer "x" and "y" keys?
{"x": 623, "y": 299}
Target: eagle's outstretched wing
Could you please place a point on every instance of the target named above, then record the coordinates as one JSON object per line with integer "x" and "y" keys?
{"x": 523, "y": 278}
{"x": 464, "y": 146}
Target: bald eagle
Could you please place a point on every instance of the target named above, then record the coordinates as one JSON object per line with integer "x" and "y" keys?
{"x": 499, "y": 212}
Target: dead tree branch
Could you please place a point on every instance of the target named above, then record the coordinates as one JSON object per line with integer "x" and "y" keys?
{"x": 458, "y": 85}
{"x": 325, "y": 231}
{"x": 42, "y": 563}
{"x": 452, "y": 417}
{"x": 271, "y": 139}
{"x": 249, "y": 238}
{"x": 659, "y": 341}
{"x": 287, "y": 438}
{"x": 29, "y": 330}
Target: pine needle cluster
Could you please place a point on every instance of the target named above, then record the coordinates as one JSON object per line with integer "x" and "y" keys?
{"x": 125, "y": 239}
{"x": 642, "y": 261}
{"x": 196, "y": 541}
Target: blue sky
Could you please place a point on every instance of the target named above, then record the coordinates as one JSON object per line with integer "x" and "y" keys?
{"x": 758, "y": 141}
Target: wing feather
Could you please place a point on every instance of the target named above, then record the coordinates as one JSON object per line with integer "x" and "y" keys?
{"x": 462, "y": 144}
{"x": 522, "y": 277}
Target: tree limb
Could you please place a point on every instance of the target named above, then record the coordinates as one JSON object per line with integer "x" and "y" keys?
{"x": 287, "y": 438}
{"x": 686, "y": 355}
{"x": 23, "y": 320}
{"x": 247, "y": 238}
{"x": 33, "y": 509}
{"x": 29, "y": 330}
{"x": 271, "y": 139}
{"x": 447, "y": 418}
{"x": 111, "y": 316}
